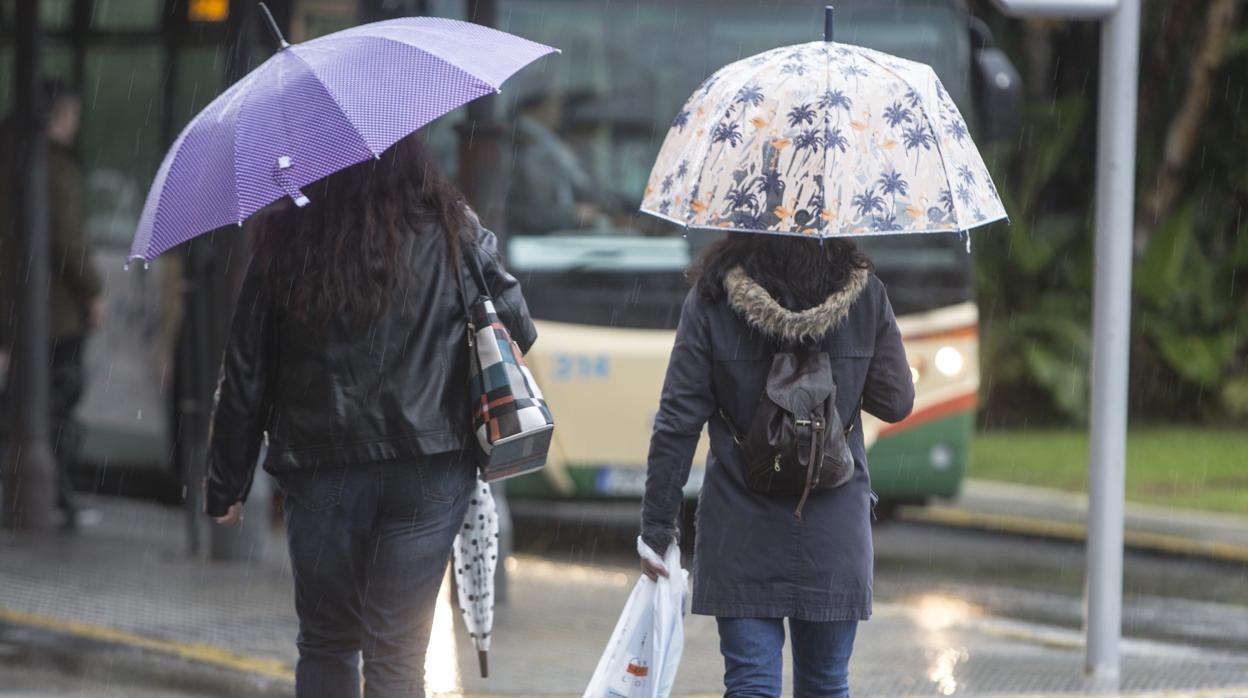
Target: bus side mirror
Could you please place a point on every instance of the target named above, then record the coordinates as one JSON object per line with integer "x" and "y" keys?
{"x": 997, "y": 86}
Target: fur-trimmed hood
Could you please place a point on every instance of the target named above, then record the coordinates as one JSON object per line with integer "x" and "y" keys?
{"x": 752, "y": 302}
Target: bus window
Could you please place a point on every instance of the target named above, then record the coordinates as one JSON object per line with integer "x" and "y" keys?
{"x": 586, "y": 131}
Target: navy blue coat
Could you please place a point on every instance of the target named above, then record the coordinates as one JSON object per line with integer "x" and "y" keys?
{"x": 752, "y": 557}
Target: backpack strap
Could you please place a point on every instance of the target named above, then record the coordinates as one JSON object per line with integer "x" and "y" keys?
{"x": 817, "y": 427}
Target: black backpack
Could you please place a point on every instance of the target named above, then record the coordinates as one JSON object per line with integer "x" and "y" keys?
{"x": 796, "y": 443}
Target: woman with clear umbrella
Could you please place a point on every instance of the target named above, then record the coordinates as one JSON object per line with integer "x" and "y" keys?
{"x": 788, "y": 335}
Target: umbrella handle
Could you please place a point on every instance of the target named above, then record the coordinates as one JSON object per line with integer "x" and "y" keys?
{"x": 483, "y": 661}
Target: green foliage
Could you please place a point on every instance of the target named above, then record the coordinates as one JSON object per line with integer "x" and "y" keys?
{"x": 1034, "y": 278}
{"x": 1031, "y": 280}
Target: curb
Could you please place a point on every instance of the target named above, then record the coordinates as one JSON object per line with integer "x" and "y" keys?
{"x": 90, "y": 650}
{"x": 1064, "y": 529}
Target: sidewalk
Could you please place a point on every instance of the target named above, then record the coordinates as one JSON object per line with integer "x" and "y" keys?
{"x": 1037, "y": 511}
{"x": 130, "y": 598}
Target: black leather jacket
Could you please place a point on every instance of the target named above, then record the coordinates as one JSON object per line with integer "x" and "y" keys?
{"x": 342, "y": 396}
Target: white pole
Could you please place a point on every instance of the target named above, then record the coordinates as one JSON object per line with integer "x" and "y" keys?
{"x": 1111, "y": 324}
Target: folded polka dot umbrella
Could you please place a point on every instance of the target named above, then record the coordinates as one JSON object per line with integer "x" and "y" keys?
{"x": 475, "y": 557}
{"x": 822, "y": 139}
{"x": 315, "y": 108}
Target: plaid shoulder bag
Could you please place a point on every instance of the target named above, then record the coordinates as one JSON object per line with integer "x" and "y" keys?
{"x": 512, "y": 423}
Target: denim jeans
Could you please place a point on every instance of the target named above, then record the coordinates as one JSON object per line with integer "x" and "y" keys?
{"x": 369, "y": 546}
{"x": 754, "y": 660}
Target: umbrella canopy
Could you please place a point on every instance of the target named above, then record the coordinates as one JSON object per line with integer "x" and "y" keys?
{"x": 475, "y": 557}
{"x": 315, "y": 108}
{"x": 822, "y": 139}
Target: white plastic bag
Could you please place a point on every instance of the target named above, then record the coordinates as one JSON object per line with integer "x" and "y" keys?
{"x": 644, "y": 650}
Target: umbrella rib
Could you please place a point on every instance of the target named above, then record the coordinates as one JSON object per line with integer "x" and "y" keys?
{"x": 827, "y": 148}
{"x": 944, "y": 163}
{"x": 238, "y": 197}
{"x": 444, "y": 59}
{"x": 706, "y": 143}
{"x": 337, "y": 103}
{"x": 347, "y": 115}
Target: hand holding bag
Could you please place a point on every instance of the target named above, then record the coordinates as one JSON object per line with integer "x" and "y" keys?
{"x": 510, "y": 418}
{"x": 644, "y": 651}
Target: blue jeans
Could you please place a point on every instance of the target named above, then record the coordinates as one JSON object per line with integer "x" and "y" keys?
{"x": 369, "y": 545}
{"x": 754, "y": 660}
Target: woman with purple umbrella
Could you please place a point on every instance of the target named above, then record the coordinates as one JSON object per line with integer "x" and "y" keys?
{"x": 349, "y": 346}
{"x": 348, "y": 349}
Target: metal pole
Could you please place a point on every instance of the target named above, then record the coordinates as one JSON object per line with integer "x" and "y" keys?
{"x": 29, "y": 489}
{"x": 1111, "y": 324}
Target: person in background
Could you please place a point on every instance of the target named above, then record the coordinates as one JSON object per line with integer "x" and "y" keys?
{"x": 77, "y": 306}
{"x": 756, "y": 563}
{"x": 551, "y": 191}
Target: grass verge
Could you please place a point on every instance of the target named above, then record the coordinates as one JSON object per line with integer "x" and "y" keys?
{"x": 1191, "y": 468}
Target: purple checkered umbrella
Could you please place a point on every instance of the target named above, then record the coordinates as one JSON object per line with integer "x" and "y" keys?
{"x": 315, "y": 108}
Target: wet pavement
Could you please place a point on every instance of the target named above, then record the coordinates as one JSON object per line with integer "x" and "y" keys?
{"x": 958, "y": 612}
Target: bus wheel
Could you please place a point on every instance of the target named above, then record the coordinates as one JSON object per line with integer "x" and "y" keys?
{"x": 884, "y": 512}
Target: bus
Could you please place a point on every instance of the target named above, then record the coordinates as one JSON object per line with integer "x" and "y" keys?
{"x": 604, "y": 282}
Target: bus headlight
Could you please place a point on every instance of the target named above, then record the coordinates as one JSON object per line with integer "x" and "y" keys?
{"x": 949, "y": 361}
{"x": 941, "y": 456}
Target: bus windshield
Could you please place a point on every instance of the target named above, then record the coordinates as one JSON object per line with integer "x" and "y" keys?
{"x": 587, "y": 130}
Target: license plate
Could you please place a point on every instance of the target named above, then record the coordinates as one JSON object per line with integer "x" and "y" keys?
{"x": 624, "y": 481}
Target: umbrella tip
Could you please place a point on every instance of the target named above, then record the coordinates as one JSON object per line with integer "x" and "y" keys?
{"x": 829, "y": 23}
{"x": 273, "y": 28}
{"x": 483, "y": 659}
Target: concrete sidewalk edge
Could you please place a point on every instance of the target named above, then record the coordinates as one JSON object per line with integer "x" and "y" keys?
{"x": 93, "y": 649}
{"x": 1063, "y": 523}
{"x": 215, "y": 671}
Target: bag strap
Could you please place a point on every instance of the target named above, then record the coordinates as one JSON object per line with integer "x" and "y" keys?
{"x": 468, "y": 255}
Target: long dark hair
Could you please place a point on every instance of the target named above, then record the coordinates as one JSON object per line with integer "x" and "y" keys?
{"x": 339, "y": 255}
{"x": 798, "y": 272}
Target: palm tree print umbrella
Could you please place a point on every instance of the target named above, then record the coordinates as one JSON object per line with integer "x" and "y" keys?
{"x": 822, "y": 139}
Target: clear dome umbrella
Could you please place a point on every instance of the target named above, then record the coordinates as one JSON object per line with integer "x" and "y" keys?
{"x": 822, "y": 139}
